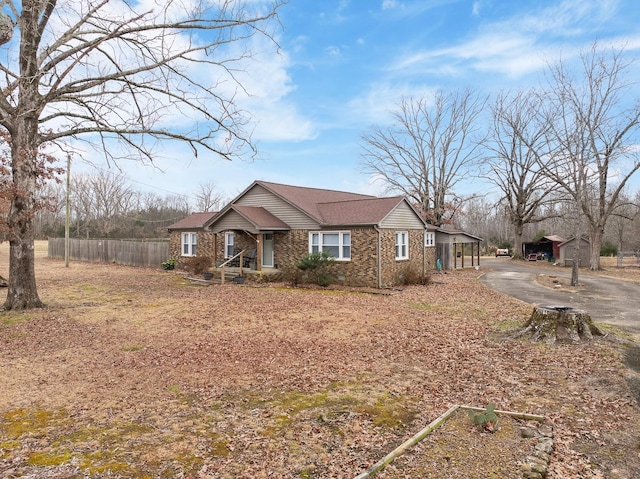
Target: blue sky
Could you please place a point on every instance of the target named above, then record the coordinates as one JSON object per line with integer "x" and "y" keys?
{"x": 344, "y": 64}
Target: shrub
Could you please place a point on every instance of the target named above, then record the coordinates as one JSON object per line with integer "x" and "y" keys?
{"x": 414, "y": 276}
{"x": 169, "y": 264}
{"x": 608, "y": 249}
{"x": 292, "y": 275}
{"x": 486, "y": 419}
{"x": 197, "y": 264}
{"x": 317, "y": 265}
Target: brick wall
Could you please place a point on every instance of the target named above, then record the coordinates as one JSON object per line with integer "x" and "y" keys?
{"x": 362, "y": 270}
{"x": 205, "y": 246}
{"x": 395, "y": 272}
{"x": 430, "y": 258}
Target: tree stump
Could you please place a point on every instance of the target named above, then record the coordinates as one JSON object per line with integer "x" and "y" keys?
{"x": 559, "y": 324}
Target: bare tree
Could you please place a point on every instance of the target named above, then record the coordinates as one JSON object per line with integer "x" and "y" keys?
{"x": 427, "y": 151}
{"x": 53, "y": 196}
{"x": 484, "y": 218}
{"x": 622, "y": 220}
{"x": 593, "y": 137}
{"x": 208, "y": 199}
{"x": 114, "y": 71}
{"x": 515, "y": 141}
{"x": 83, "y": 205}
{"x": 113, "y": 199}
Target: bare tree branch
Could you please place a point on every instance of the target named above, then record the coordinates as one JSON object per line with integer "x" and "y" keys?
{"x": 427, "y": 150}
{"x": 117, "y": 74}
{"x": 515, "y": 142}
{"x": 594, "y": 136}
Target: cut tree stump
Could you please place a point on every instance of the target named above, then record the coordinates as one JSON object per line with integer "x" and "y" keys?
{"x": 562, "y": 324}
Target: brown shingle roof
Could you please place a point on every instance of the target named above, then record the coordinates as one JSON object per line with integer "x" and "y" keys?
{"x": 193, "y": 221}
{"x": 260, "y": 217}
{"x": 369, "y": 211}
{"x": 309, "y": 199}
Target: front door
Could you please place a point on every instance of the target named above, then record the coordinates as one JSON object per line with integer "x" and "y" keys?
{"x": 267, "y": 250}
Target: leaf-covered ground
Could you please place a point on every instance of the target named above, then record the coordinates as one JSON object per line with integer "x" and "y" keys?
{"x": 138, "y": 373}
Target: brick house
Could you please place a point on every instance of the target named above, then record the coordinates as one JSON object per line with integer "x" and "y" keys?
{"x": 376, "y": 242}
{"x": 188, "y": 238}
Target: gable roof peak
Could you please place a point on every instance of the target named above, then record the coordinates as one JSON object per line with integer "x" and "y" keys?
{"x": 291, "y": 188}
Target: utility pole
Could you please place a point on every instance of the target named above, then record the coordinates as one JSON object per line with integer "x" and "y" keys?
{"x": 67, "y": 222}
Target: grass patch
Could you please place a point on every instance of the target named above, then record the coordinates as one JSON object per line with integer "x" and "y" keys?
{"x": 10, "y": 319}
{"x": 132, "y": 348}
{"x": 48, "y": 459}
{"x": 329, "y": 406}
{"x": 32, "y": 422}
{"x": 391, "y": 411}
{"x": 423, "y": 306}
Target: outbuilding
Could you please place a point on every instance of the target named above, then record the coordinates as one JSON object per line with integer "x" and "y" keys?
{"x": 457, "y": 249}
{"x": 546, "y": 247}
{"x": 567, "y": 249}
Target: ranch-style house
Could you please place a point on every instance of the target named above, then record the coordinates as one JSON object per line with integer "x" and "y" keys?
{"x": 376, "y": 242}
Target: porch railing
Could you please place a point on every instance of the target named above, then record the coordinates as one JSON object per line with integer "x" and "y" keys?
{"x": 229, "y": 260}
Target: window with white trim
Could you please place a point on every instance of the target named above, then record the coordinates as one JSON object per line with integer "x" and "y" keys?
{"x": 402, "y": 245}
{"x": 229, "y": 241}
{"x": 429, "y": 238}
{"x": 336, "y": 243}
{"x": 189, "y": 241}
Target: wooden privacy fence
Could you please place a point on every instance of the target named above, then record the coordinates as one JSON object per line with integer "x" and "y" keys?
{"x": 128, "y": 252}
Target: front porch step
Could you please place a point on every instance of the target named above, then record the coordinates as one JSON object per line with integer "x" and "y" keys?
{"x": 229, "y": 275}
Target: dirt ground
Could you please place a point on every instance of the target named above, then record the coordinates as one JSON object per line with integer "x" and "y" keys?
{"x": 138, "y": 373}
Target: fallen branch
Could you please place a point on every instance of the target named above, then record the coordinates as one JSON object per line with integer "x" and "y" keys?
{"x": 382, "y": 463}
{"x": 398, "y": 451}
{"x": 517, "y": 415}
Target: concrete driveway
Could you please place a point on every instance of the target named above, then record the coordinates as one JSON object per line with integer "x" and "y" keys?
{"x": 608, "y": 301}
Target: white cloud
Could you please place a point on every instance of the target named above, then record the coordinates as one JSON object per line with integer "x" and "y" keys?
{"x": 475, "y": 10}
{"x": 333, "y": 51}
{"x": 269, "y": 84}
{"x": 390, "y": 4}
{"x": 376, "y": 104}
{"x": 515, "y": 46}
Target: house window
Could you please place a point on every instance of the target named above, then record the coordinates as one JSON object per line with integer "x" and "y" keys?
{"x": 429, "y": 238}
{"x": 189, "y": 244}
{"x": 402, "y": 245}
{"x": 336, "y": 243}
{"x": 228, "y": 244}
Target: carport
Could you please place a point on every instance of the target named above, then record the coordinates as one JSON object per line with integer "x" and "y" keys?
{"x": 457, "y": 249}
{"x": 547, "y": 246}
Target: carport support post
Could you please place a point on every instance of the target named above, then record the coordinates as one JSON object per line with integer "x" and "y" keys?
{"x": 478, "y": 243}
{"x": 455, "y": 256}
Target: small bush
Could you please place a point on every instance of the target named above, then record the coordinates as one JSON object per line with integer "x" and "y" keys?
{"x": 485, "y": 420}
{"x": 169, "y": 264}
{"x": 317, "y": 265}
{"x": 608, "y": 249}
{"x": 292, "y": 275}
{"x": 413, "y": 276}
{"x": 198, "y": 264}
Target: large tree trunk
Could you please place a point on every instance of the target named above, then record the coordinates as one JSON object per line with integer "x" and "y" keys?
{"x": 517, "y": 241}
{"x": 22, "y": 292}
{"x": 25, "y": 168}
{"x": 595, "y": 239}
